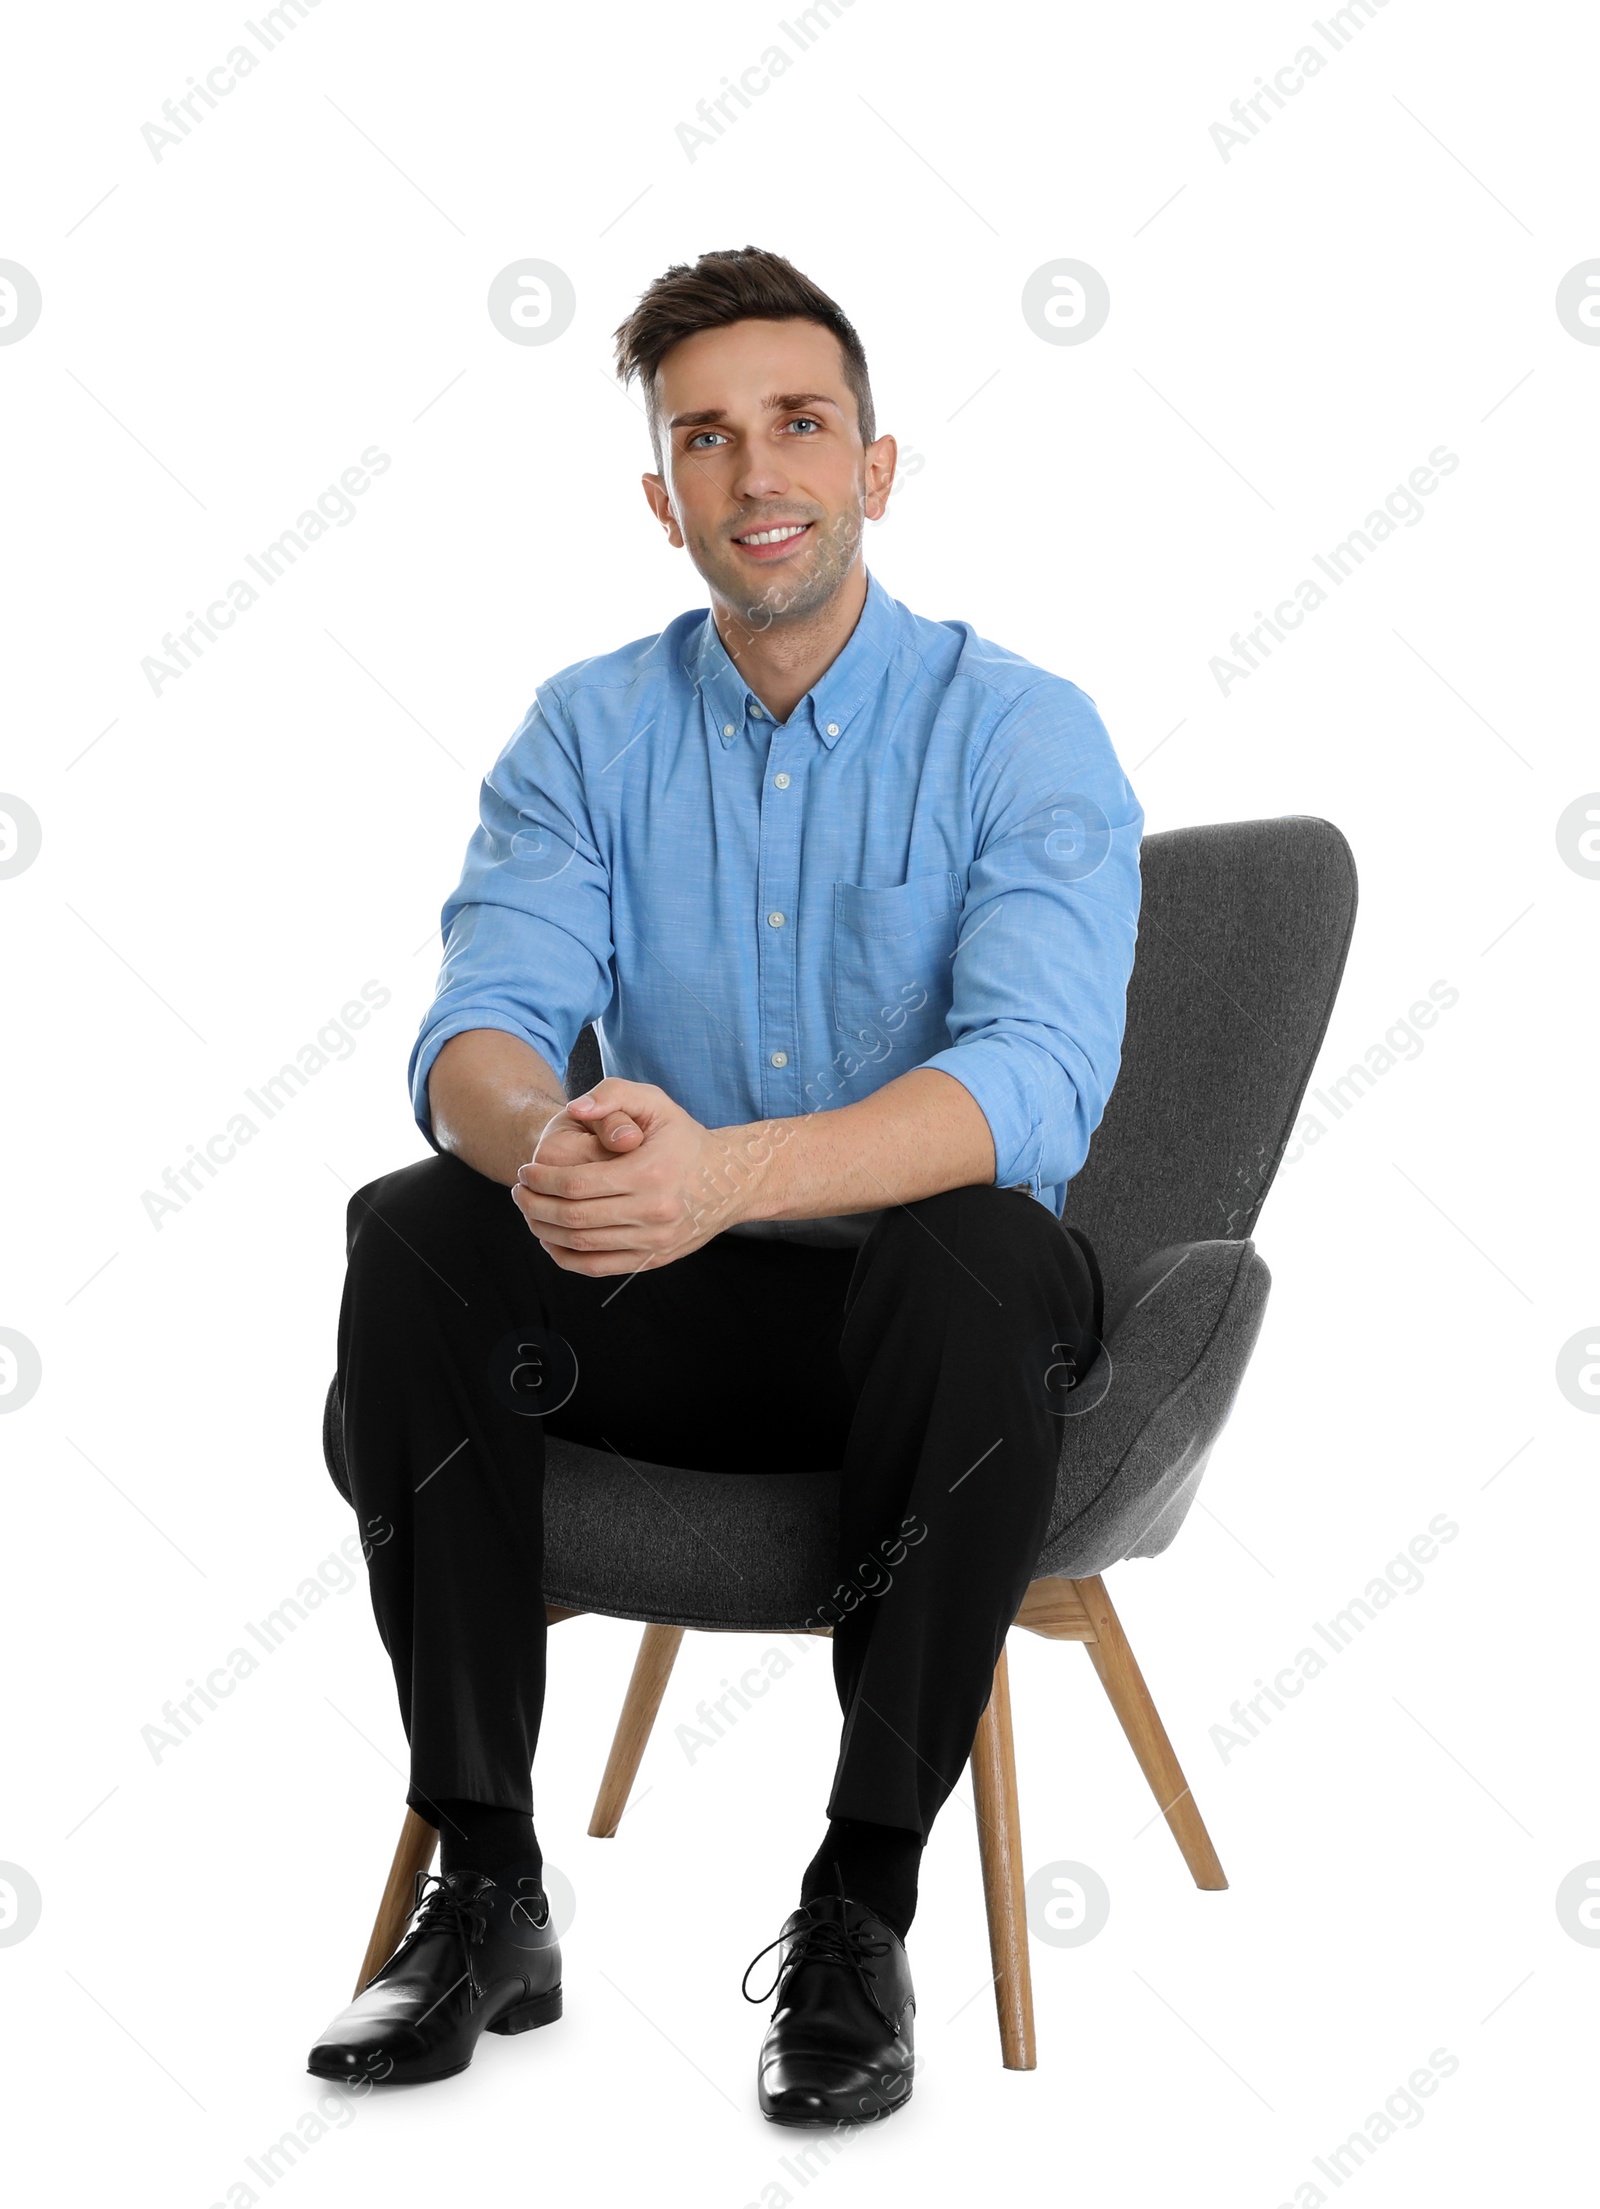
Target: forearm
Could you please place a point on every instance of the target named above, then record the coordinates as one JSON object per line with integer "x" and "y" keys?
{"x": 914, "y": 1137}
{"x": 490, "y": 1097}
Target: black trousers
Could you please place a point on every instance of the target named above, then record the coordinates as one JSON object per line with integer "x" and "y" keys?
{"x": 931, "y": 1364}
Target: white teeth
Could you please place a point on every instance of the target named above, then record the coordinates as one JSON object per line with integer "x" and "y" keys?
{"x": 775, "y": 536}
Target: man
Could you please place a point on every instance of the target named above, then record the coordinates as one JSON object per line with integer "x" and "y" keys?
{"x": 851, "y": 897}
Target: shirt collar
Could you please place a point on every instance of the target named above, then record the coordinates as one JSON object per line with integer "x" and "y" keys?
{"x": 836, "y": 698}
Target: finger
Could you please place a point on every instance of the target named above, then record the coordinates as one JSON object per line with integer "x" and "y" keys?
{"x": 565, "y": 1142}
{"x": 623, "y": 1217}
{"x": 596, "y": 1227}
{"x": 561, "y": 1128}
{"x": 610, "y": 1090}
{"x": 571, "y": 1145}
{"x": 641, "y": 1100}
{"x": 622, "y": 1132}
{"x": 591, "y": 1242}
{"x": 592, "y": 1251}
{"x": 584, "y": 1182}
{"x": 603, "y": 1264}
{"x": 587, "y": 1117}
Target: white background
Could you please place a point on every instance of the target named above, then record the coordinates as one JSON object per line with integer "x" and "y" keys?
{"x": 1292, "y": 330}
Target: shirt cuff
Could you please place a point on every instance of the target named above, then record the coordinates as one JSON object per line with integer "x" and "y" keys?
{"x": 998, "y": 1078}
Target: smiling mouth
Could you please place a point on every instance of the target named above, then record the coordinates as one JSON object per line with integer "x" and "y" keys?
{"x": 771, "y": 540}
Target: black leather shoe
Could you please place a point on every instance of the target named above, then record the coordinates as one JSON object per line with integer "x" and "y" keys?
{"x": 839, "y": 2047}
{"x": 481, "y": 1955}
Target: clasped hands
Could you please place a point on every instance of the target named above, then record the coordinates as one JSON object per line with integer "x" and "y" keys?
{"x": 624, "y": 1178}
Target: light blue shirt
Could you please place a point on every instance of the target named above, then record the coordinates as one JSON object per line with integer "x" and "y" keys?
{"x": 933, "y": 862}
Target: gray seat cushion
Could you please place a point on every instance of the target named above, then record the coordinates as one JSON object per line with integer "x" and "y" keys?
{"x": 757, "y": 1550}
{"x": 686, "y": 1548}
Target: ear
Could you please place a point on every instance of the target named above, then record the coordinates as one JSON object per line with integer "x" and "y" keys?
{"x": 660, "y": 499}
{"x": 880, "y": 458}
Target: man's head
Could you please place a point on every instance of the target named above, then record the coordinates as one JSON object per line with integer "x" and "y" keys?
{"x": 755, "y": 386}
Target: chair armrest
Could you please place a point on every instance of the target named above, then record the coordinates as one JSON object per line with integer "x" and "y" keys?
{"x": 1179, "y": 1334}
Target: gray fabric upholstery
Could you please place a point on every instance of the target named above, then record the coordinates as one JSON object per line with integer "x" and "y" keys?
{"x": 1243, "y": 933}
{"x": 1173, "y": 1360}
{"x": 1242, "y": 941}
{"x": 687, "y": 1548}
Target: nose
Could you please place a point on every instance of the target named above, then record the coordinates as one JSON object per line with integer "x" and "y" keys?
{"x": 759, "y": 476}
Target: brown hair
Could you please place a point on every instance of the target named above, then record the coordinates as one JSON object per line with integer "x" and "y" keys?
{"x": 743, "y": 284}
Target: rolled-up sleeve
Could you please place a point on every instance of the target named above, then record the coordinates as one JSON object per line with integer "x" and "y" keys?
{"x": 1046, "y": 937}
{"x": 527, "y": 931}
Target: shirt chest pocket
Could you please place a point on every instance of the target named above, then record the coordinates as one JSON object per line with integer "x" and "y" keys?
{"x": 891, "y": 961}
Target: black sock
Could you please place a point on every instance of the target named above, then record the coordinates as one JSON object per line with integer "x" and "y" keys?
{"x": 481, "y": 1837}
{"x": 878, "y": 1864}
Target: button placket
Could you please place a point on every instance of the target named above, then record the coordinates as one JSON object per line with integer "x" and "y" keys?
{"x": 778, "y": 951}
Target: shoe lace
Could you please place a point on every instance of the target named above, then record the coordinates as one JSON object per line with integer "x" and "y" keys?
{"x": 824, "y": 1941}
{"x": 441, "y": 1906}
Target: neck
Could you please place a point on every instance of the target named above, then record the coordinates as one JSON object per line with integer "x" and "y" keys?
{"x": 780, "y": 663}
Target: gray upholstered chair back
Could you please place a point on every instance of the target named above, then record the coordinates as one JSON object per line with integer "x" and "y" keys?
{"x": 1243, "y": 931}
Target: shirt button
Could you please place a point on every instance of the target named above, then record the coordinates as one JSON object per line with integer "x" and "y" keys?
{"x": 833, "y": 728}
{"x": 782, "y": 781}
{"x": 780, "y": 1058}
{"x": 774, "y": 920}
{"x": 756, "y": 713}
{"x": 727, "y": 728}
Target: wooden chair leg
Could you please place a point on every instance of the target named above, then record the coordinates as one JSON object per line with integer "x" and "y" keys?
{"x": 1123, "y": 1682}
{"x": 413, "y": 1854}
{"x": 652, "y": 1668}
{"x": 994, "y": 1786}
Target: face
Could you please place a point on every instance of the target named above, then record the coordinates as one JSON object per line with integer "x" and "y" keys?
{"x": 766, "y": 480}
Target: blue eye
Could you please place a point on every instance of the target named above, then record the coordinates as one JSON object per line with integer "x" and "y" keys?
{"x": 805, "y": 420}
{"x": 693, "y": 441}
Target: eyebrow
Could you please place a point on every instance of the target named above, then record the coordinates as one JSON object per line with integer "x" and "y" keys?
{"x": 780, "y": 402}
